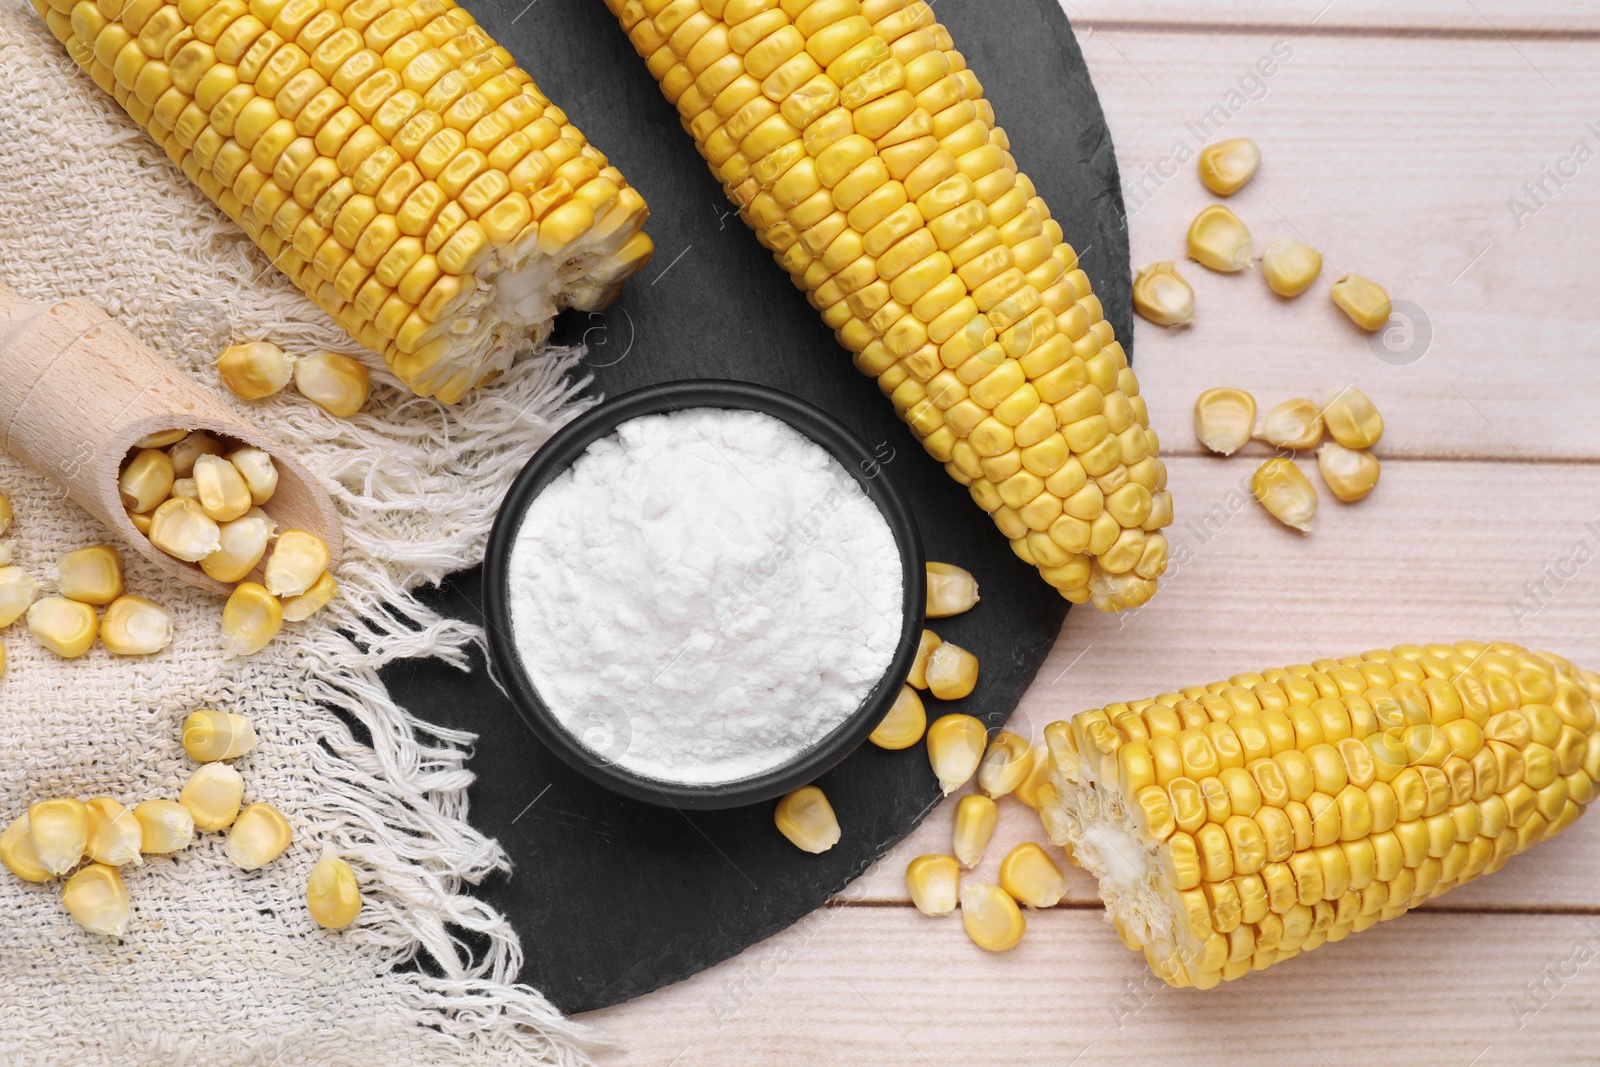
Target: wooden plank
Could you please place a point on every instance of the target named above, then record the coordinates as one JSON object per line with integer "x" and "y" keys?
{"x": 859, "y": 985}
{"x": 1440, "y": 551}
{"x": 1483, "y": 18}
{"x": 1384, "y": 155}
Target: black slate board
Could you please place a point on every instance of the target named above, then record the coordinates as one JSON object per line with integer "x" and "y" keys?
{"x": 614, "y": 898}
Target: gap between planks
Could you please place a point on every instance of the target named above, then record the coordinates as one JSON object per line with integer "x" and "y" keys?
{"x": 1300, "y": 29}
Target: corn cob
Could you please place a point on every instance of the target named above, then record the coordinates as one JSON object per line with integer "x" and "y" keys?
{"x": 1234, "y": 825}
{"x": 387, "y": 155}
{"x": 858, "y": 145}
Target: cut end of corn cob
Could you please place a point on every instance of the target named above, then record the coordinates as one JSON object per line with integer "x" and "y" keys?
{"x": 391, "y": 159}
{"x": 1237, "y": 824}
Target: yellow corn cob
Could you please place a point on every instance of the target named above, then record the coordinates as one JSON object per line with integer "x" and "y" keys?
{"x": 1237, "y": 824}
{"x": 387, "y": 155}
{"x": 858, "y": 145}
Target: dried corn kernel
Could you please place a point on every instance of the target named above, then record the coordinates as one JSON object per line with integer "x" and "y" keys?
{"x": 1290, "y": 267}
{"x": 918, "y": 678}
{"x": 90, "y": 575}
{"x": 220, "y": 488}
{"x": 1032, "y": 877}
{"x": 258, "y": 471}
{"x": 806, "y": 818}
{"x": 146, "y": 481}
{"x": 115, "y": 835}
{"x": 991, "y": 918}
{"x": 212, "y": 795}
{"x": 191, "y": 448}
{"x": 1294, "y": 424}
{"x": 1224, "y": 419}
{"x": 337, "y": 384}
{"x": 1363, "y": 300}
{"x": 903, "y": 726}
{"x": 296, "y": 562}
{"x": 1219, "y": 240}
{"x": 1349, "y": 473}
{"x": 185, "y": 488}
{"x": 259, "y": 835}
{"x": 1005, "y": 763}
{"x": 955, "y": 745}
{"x": 134, "y": 626}
{"x": 212, "y": 735}
{"x": 976, "y": 816}
{"x": 5, "y": 513}
{"x": 1352, "y": 419}
{"x": 952, "y": 671}
{"x": 332, "y": 896}
{"x": 934, "y": 883}
{"x": 251, "y": 618}
{"x": 312, "y": 600}
{"x": 1286, "y": 493}
{"x": 64, "y": 626}
{"x": 1163, "y": 296}
{"x": 59, "y": 830}
{"x": 16, "y": 852}
{"x": 1038, "y": 775}
{"x": 241, "y": 545}
{"x": 182, "y": 529}
{"x": 161, "y": 439}
{"x": 1227, "y": 165}
{"x": 951, "y": 590}
{"x": 17, "y": 588}
{"x": 255, "y": 370}
{"x": 167, "y": 826}
{"x": 98, "y": 900}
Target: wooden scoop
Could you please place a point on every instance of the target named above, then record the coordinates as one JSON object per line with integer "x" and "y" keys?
{"x": 77, "y": 391}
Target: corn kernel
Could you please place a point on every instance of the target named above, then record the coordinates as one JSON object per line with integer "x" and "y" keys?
{"x": 1032, "y": 877}
{"x": 1219, "y": 240}
{"x": 1286, "y": 493}
{"x": 1005, "y": 763}
{"x": 115, "y": 835}
{"x": 98, "y": 900}
{"x": 134, "y": 626}
{"x": 926, "y": 644}
{"x": 1290, "y": 267}
{"x": 220, "y": 488}
{"x": 1224, "y": 419}
{"x": 258, "y": 471}
{"x": 5, "y": 513}
{"x": 976, "y": 816}
{"x": 991, "y": 918}
{"x": 332, "y": 896}
{"x": 64, "y": 626}
{"x": 90, "y": 575}
{"x": 1163, "y": 296}
{"x": 1352, "y": 419}
{"x": 181, "y": 487}
{"x": 1294, "y": 424}
{"x": 191, "y": 448}
{"x": 955, "y": 745}
{"x": 17, "y": 588}
{"x": 242, "y": 544}
{"x": 1349, "y": 473}
{"x": 146, "y": 481}
{"x": 16, "y": 852}
{"x": 1227, "y": 165}
{"x": 212, "y": 735}
{"x": 335, "y": 383}
{"x": 182, "y": 529}
{"x": 951, "y": 590}
{"x": 255, "y": 370}
{"x": 1038, "y": 776}
{"x": 260, "y": 835}
{"x": 934, "y": 883}
{"x": 806, "y": 818}
{"x": 212, "y": 796}
{"x": 160, "y": 439}
{"x": 297, "y": 561}
{"x": 312, "y": 600}
{"x": 59, "y": 830}
{"x": 251, "y": 618}
{"x": 952, "y": 671}
{"x": 1363, "y": 300}
{"x": 905, "y": 723}
{"x": 167, "y": 826}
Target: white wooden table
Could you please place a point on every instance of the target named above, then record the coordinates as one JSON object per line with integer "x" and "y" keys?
{"x": 1393, "y": 142}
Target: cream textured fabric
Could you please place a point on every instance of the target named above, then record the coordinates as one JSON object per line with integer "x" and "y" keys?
{"x": 219, "y": 966}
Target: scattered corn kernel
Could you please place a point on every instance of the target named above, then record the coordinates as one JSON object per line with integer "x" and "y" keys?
{"x": 991, "y": 918}
{"x": 935, "y": 884}
{"x": 332, "y": 896}
{"x": 1219, "y": 240}
{"x": 134, "y": 626}
{"x": 1224, "y": 419}
{"x": 241, "y": 545}
{"x": 259, "y": 835}
{"x": 918, "y": 678}
{"x": 297, "y": 561}
{"x": 212, "y": 795}
{"x": 905, "y": 723}
{"x": 90, "y": 575}
{"x": 1286, "y": 493}
{"x": 7, "y": 549}
{"x": 5, "y": 513}
{"x": 1163, "y": 296}
{"x": 17, "y": 588}
{"x": 167, "y": 826}
{"x": 312, "y": 600}
{"x": 251, "y": 618}
{"x": 254, "y": 370}
{"x": 1352, "y": 419}
{"x": 212, "y": 735}
{"x": 146, "y": 481}
{"x": 955, "y": 745}
{"x": 1290, "y": 267}
{"x": 1226, "y": 166}
{"x": 115, "y": 835}
{"x": 1294, "y": 424}
{"x": 191, "y": 448}
{"x": 1038, "y": 776}
{"x": 952, "y": 671}
{"x": 976, "y": 816}
{"x": 98, "y": 900}
{"x": 1005, "y": 763}
{"x": 951, "y": 590}
{"x": 1032, "y": 877}
{"x": 221, "y": 489}
{"x": 1349, "y": 473}
{"x": 260, "y": 475}
{"x": 59, "y": 830}
{"x": 181, "y": 528}
{"x": 64, "y": 626}
{"x": 335, "y": 383}
{"x": 1363, "y": 300}
{"x": 806, "y": 818}
{"x": 16, "y": 852}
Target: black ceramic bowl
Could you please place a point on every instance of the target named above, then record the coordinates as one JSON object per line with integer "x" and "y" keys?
{"x": 601, "y": 421}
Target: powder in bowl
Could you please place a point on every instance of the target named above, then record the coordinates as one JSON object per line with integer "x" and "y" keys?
{"x": 704, "y": 595}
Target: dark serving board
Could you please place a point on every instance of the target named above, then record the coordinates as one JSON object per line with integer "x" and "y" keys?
{"x": 614, "y": 898}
